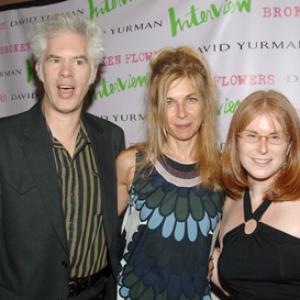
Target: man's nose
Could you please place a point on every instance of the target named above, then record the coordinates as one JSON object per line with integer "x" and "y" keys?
{"x": 66, "y": 69}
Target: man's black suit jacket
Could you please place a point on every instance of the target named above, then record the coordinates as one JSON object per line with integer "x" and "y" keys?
{"x": 33, "y": 246}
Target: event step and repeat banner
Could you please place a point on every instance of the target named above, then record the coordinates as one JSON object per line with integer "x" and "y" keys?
{"x": 250, "y": 45}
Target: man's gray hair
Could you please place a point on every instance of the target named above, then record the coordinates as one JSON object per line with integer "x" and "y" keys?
{"x": 42, "y": 31}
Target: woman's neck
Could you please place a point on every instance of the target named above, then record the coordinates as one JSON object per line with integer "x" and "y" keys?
{"x": 186, "y": 157}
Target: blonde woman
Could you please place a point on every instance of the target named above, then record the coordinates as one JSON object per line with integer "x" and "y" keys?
{"x": 171, "y": 184}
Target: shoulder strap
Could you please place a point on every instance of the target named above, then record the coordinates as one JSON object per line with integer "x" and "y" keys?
{"x": 256, "y": 215}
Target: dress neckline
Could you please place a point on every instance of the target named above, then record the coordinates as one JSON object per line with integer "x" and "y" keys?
{"x": 178, "y": 165}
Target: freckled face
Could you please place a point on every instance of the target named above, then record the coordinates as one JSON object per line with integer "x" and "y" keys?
{"x": 183, "y": 111}
{"x": 66, "y": 72}
{"x": 263, "y": 160}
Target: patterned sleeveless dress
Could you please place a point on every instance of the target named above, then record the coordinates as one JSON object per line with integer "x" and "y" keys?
{"x": 168, "y": 228}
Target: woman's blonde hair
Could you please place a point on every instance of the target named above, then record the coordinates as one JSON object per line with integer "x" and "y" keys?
{"x": 271, "y": 103}
{"x": 168, "y": 65}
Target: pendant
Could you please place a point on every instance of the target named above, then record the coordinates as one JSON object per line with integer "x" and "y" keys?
{"x": 250, "y": 226}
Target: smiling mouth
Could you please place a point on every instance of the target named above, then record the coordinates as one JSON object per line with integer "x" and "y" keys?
{"x": 261, "y": 161}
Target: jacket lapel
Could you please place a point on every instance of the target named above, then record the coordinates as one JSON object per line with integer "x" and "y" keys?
{"x": 37, "y": 149}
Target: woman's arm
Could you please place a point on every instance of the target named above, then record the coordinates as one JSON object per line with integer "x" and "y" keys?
{"x": 125, "y": 168}
{"x": 218, "y": 249}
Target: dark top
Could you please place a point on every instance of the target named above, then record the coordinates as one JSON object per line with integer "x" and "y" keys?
{"x": 34, "y": 251}
{"x": 263, "y": 265}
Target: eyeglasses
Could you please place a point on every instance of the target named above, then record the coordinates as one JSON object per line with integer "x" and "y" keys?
{"x": 276, "y": 138}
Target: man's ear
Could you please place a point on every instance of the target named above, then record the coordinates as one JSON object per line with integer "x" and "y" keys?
{"x": 39, "y": 71}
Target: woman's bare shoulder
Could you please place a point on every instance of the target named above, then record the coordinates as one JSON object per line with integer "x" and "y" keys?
{"x": 228, "y": 203}
{"x": 126, "y": 158}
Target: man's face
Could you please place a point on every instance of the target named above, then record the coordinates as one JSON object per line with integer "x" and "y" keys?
{"x": 66, "y": 73}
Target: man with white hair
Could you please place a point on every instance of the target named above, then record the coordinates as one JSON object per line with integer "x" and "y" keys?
{"x": 58, "y": 216}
